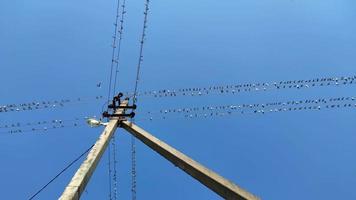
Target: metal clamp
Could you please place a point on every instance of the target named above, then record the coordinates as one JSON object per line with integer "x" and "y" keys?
{"x": 116, "y": 104}
{"x": 130, "y": 115}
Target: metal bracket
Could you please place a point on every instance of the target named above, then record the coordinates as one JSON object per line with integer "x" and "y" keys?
{"x": 130, "y": 115}
{"x": 116, "y": 104}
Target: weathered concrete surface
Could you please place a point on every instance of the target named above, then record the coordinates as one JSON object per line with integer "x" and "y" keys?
{"x": 215, "y": 182}
{"x": 81, "y": 178}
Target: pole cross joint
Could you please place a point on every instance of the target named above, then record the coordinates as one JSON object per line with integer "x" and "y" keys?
{"x": 116, "y": 104}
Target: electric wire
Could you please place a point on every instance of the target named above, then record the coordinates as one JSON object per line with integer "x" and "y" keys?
{"x": 123, "y": 11}
{"x": 234, "y": 89}
{"x": 319, "y": 103}
{"x": 115, "y": 182}
{"x": 115, "y": 193}
{"x": 46, "y": 104}
{"x": 133, "y": 145}
{"x": 48, "y": 122}
{"x": 133, "y": 169}
{"x": 192, "y": 91}
{"x": 114, "y": 46}
{"x": 41, "y": 125}
{"x": 140, "y": 58}
{"x": 314, "y": 104}
{"x": 60, "y": 173}
{"x": 210, "y": 111}
{"x": 109, "y": 170}
{"x": 115, "y": 59}
{"x": 41, "y": 129}
{"x": 42, "y": 122}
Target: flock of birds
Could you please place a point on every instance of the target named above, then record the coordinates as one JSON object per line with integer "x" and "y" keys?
{"x": 37, "y": 105}
{"x": 193, "y": 112}
{"x": 256, "y": 108}
{"x": 252, "y": 87}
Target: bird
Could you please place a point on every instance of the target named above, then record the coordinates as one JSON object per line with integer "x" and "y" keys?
{"x": 98, "y": 85}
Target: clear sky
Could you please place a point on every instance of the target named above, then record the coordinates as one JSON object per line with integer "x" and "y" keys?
{"x": 61, "y": 49}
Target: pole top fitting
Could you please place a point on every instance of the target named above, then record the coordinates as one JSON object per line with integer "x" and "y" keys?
{"x": 116, "y": 104}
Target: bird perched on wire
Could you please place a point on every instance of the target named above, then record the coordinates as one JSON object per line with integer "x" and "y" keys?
{"x": 98, "y": 85}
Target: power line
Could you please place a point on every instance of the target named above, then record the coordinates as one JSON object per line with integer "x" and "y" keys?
{"x": 114, "y": 168}
{"x": 133, "y": 169}
{"x": 110, "y": 174}
{"x": 142, "y": 42}
{"x": 194, "y": 91}
{"x": 238, "y": 88}
{"x": 113, "y": 54}
{"x": 40, "y": 122}
{"x": 46, "y": 104}
{"x": 61, "y": 172}
{"x": 320, "y": 103}
{"x": 41, "y": 129}
{"x": 210, "y": 111}
{"x": 140, "y": 60}
{"x": 189, "y": 112}
{"x": 115, "y": 58}
{"x": 45, "y": 125}
{"x": 265, "y": 105}
{"x": 123, "y": 11}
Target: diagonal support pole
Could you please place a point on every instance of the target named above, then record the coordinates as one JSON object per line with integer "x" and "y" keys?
{"x": 81, "y": 178}
{"x": 215, "y": 182}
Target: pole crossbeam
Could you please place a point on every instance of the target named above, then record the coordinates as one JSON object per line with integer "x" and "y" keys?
{"x": 215, "y": 182}
{"x": 81, "y": 178}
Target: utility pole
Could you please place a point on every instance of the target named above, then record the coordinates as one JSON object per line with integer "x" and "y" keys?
{"x": 81, "y": 178}
{"x": 215, "y": 182}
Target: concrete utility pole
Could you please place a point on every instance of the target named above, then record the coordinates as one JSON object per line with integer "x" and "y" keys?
{"x": 81, "y": 178}
{"x": 215, "y": 182}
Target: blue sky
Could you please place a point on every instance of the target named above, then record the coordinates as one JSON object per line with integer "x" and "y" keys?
{"x": 61, "y": 49}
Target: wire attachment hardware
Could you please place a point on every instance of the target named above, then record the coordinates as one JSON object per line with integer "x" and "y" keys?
{"x": 116, "y": 104}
